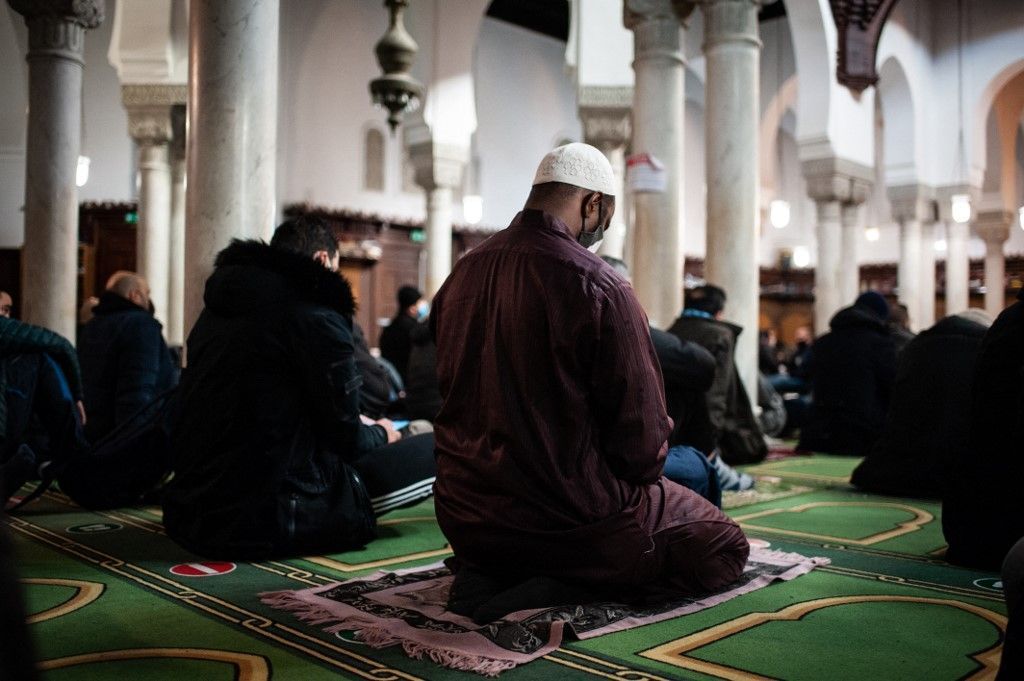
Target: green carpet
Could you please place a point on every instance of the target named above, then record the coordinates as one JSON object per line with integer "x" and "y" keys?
{"x": 104, "y": 603}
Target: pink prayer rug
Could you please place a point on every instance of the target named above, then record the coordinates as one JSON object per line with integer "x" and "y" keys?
{"x": 407, "y": 608}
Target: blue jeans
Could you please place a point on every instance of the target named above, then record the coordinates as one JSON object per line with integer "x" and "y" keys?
{"x": 691, "y": 469}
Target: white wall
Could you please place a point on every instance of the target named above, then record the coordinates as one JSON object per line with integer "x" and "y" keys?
{"x": 526, "y": 103}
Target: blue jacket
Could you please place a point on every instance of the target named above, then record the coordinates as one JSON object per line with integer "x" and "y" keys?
{"x": 125, "y": 363}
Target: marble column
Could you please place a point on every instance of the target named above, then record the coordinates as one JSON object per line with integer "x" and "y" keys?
{"x": 838, "y": 187}
{"x": 994, "y": 228}
{"x": 912, "y": 207}
{"x": 605, "y": 113}
{"x": 49, "y": 257}
{"x": 439, "y": 169}
{"x": 849, "y": 264}
{"x": 926, "y": 307}
{"x": 908, "y": 276}
{"x": 232, "y": 133}
{"x": 732, "y": 49}
{"x": 176, "y": 262}
{"x": 150, "y": 126}
{"x": 657, "y": 251}
{"x": 827, "y": 271}
{"x": 957, "y": 267}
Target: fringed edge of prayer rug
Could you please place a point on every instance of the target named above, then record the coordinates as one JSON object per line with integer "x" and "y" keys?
{"x": 432, "y": 635}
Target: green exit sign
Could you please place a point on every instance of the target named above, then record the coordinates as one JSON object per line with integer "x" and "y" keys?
{"x": 417, "y": 236}
{"x": 132, "y": 218}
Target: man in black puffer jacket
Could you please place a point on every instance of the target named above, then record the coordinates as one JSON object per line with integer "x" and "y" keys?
{"x": 930, "y": 415}
{"x": 125, "y": 360}
{"x": 851, "y": 371}
{"x": 271, "y": 454}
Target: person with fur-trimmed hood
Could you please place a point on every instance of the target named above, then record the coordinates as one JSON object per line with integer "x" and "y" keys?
{"x": 271, "y": 453}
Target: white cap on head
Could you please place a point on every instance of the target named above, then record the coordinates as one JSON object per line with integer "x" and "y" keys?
{"x": 578, "y": 164}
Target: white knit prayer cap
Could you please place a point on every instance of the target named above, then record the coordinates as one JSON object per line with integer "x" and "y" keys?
{"x": 578, "y": 164}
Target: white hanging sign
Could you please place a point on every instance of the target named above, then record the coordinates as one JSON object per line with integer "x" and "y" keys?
{"x": 645, "y": 173}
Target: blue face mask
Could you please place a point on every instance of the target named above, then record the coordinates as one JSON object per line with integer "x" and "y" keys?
{"x": 422, "y": 310}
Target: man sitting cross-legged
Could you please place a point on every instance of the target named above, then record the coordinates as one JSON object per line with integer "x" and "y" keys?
{"x": 271, "y": 456}
{"x": 552, "y": 434}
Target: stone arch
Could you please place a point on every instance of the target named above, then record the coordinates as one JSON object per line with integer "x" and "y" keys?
{"x": 810, "y": 23}
{"x": 983, "y": 106}
{"x": 1001, "y": 127}
{"x": 899, "y": 142}
{"x": 784, "y": 101}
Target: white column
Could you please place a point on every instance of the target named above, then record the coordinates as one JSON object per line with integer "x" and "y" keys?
{"x": 909, "y": 276}
{"x": 657, "y": 251}
{"x": 49, "y": 264}
{"x": 439, "y": 169}
{"x": 733, "y": 52}
{"x": 176, "y": 262}
{"x": 439, "y": 237}
{"x": 232, "y": 132}
{"x": 927, "y": 304}
{"x": 994, "y": 228}
{"x": 605, "y": 114}
{"x": 849, "y": 263}
{"x": 150, "y": 127}
{"x": 827, "y": 282}
{"x": 957, "y": 267}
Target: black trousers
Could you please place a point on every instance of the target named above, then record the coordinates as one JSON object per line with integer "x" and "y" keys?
{"x": 399, "y": 474}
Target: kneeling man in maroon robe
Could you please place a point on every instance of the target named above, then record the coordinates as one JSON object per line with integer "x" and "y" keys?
{"x": 552, "y": 436}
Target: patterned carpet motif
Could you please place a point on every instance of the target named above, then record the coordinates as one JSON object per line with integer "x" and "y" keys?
{"x": 111, "y": 597}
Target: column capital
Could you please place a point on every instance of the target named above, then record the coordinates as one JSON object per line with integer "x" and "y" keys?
{"x": 837, "y": 179}
{"x": 606, "y": 114}
{"x": 912, "y": 202}
{"x": 149, "y": 110}
{"x": 994, "y": 226}
{"x": 57, "y": 27}
{"x": 437, "y": 164}
{"x": 656, "y": 25}
{"x": 730, "y": 21}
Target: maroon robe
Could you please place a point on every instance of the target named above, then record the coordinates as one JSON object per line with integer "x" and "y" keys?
{"x": 552, "y": 437}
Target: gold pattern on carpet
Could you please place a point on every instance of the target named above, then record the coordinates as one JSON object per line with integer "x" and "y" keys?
{"x": 921, "y": 517}
{"x": 674, "y": 652}
{"x": 85, "y": 593}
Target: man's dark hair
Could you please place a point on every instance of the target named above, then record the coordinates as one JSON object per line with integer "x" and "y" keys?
{"x": 305, "y": 235}
{"x": 408, "y": 296}
{"x": 562, "y": 191}
{"x": 707, "y": 298}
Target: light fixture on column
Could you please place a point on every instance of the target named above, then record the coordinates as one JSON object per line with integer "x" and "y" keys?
{"x": 473, "y": 209}
{"x": 82, "y": 171}
{"x": 872, "y": 234}
{"x": 961, "y": 208}
{"x": 396, "y": 90}
{"x": 801, "y": 256}
{"x": 1020, "y": 217}
{"x": 779, "y": 213}
{"x": 941, "y": 245}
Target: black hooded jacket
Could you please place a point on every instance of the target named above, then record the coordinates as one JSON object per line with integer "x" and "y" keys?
{"x": 930, "y": 413}
{"x": 269, "y": 411}
{"x": 851, "y": 372}
{"x": 125, "y": 363}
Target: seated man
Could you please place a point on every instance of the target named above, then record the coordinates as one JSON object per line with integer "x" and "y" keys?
{"x": 395, "y": 339}
{"x": 982, "y": 509}
{"x": 125, "y": 360}
{"x": 552, "y": 434}
{"x": 930, "y": 413}
{"x": 687, "y": 371}
{"x": 271, "y": 454}
{"x": 850, "y": 371}
{"x": 422, "y": 397}
{"x": 42, "y": 415}
{"x": 737, "y": 436}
